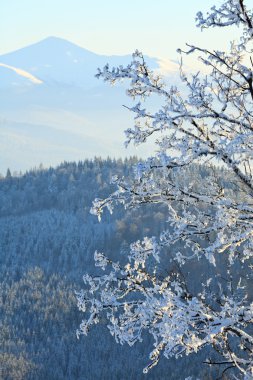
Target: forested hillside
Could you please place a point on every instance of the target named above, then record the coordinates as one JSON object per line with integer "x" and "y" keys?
{"x": 47, "y": 242}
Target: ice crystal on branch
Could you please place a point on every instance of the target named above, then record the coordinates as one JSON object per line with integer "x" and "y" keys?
{"x": 209, "y": 215}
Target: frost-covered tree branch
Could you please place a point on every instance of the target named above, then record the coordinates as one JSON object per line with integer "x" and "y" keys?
{"x": 209, "y": 125}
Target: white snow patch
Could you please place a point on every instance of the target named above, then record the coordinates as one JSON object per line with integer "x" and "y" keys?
{"x": 23, "y": 73}
{"x": 167, "y": 67}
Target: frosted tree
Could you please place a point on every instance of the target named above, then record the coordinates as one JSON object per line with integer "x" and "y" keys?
{"x": 209, "y": 217}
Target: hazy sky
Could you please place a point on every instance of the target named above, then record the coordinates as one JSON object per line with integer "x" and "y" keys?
{"x": 157, "y": 27}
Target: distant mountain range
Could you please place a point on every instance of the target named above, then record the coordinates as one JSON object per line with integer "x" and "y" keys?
{"x": 55, "y": 61}
{"x": 52, "y": 108}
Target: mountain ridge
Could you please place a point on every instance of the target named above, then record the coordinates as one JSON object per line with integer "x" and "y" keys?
{"x": 55, "y": 60}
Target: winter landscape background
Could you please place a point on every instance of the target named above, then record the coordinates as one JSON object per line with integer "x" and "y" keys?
{"x": 167, "y": 270}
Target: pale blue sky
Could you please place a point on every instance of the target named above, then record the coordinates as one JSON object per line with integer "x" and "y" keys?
{"x": 157, "y": 27}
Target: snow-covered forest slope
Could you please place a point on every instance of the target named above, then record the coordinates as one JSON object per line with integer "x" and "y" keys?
{"x": 47, "y": 242}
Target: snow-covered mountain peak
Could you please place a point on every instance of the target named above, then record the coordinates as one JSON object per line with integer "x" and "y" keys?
{"x": 53, "y": 106}
{"x": 57, "y": 61}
